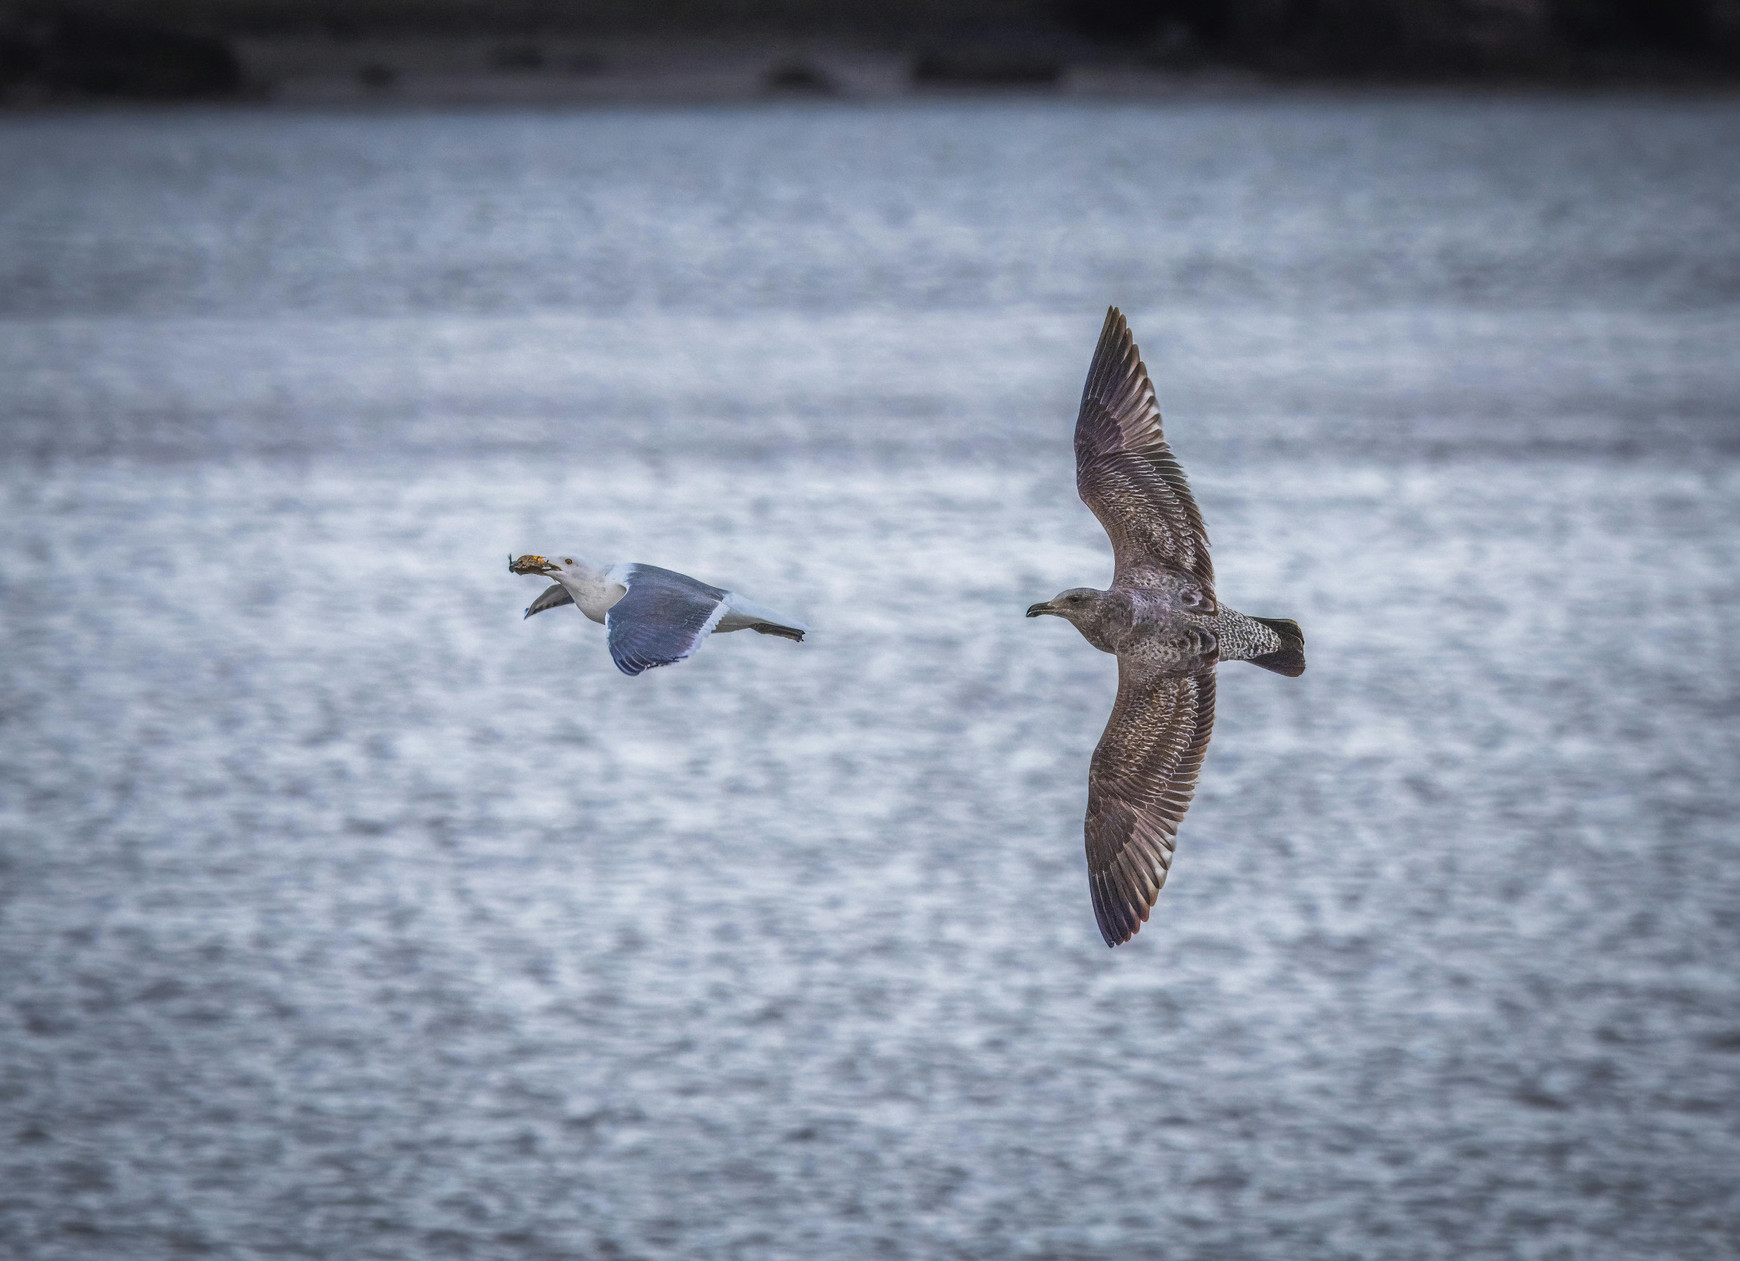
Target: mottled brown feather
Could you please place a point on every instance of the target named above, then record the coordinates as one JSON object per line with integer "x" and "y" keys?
{"x": 1139, "y": 786}
{"x": 1125, "y": 472}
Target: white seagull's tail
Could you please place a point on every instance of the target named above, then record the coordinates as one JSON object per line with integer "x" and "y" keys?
{"x": 743, "y": 614}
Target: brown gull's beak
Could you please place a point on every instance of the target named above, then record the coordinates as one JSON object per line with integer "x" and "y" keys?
{"x": 1044, "y": 606}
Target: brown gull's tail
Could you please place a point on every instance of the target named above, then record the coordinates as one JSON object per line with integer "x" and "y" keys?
{"x": 1289, "y": 658}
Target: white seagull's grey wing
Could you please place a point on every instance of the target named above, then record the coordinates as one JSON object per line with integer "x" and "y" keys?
{"x": 1139, "y": 786}
{"x": 553, "y": 598}
{"x": 663, "y": 618}
{"x": 1125, "y": 472}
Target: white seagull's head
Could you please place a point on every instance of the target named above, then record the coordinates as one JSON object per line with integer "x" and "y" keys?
{"x": 557, "y": 567}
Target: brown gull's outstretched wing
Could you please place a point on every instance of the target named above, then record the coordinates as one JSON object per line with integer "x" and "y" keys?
{"x": 1125, "y": 472}
{"x": 1139, "y": 786}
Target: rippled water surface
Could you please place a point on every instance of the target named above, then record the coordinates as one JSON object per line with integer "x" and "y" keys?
{"x": 345, "y": 914}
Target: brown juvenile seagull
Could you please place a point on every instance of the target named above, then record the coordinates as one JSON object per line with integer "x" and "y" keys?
{"x": 1162, "y": 620}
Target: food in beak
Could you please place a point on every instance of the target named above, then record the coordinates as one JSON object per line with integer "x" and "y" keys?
{"x": 529, "y": 564}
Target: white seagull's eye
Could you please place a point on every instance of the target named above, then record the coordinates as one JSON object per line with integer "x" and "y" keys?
{"x": 568, "y": 561}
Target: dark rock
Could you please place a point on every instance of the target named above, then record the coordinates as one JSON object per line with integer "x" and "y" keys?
{"x": 986, "y": 68}
{"x": 518, "y": 57}
{"x": 19, "y": 60}
{"x": 1137, "y": 22}
{"x": 376, "y": 76}
{"x": 83, "y": 55}
{"x": 799, "y": 77}
{"x": 1676, "y": 25}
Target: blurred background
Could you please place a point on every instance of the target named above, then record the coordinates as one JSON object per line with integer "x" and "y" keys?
{"x": 345, "y": 914}
{"x": 449, "y": 51}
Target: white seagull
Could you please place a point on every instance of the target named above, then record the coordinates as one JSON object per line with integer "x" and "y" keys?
{"x": 652, "y": 616}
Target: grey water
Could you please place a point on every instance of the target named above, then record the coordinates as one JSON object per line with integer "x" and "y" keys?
{"x": 345, "y": 914}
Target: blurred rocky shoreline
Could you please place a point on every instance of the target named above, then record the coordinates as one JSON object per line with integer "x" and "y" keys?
{"x": 541, "y": 51}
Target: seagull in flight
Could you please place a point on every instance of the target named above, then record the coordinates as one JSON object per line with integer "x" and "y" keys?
{"x": 652, "y": 616}
{"x": 1161, "y": 618}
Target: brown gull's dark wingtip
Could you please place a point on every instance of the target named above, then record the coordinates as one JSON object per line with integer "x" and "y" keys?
{"x": 1111, "y": 912}
{"x": 1115, "y": 326}
{"x": 1113, "y": 355}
